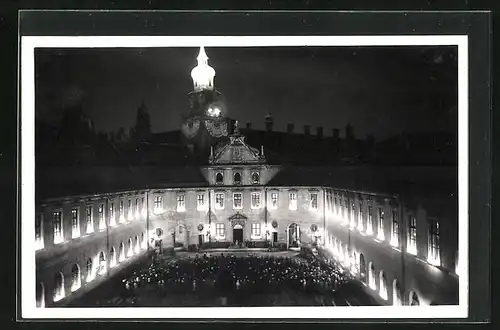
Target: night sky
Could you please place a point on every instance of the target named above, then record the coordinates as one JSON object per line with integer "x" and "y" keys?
{"x": 379, "y": 91}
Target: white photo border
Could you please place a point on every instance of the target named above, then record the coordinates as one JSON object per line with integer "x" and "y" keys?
{"x": 27, "y": 167}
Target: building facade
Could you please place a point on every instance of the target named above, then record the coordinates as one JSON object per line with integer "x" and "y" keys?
{"x": 403, "y": 248}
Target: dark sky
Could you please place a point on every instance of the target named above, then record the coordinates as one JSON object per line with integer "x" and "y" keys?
{"x": 379, "y": 91}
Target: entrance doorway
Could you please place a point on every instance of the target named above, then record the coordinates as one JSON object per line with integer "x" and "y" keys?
{"x": 275, "y": 237}
{"x": 293, "y": 235}
{"x": 200, "y": 240}
{"x": 238, "y": 234}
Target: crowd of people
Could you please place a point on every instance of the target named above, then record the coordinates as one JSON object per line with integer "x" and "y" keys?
{"x": 229, "y": 274}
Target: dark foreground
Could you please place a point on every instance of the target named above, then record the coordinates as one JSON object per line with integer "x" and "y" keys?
{"x": 230, "y": 280}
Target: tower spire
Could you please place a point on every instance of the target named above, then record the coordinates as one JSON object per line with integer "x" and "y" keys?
{"x": 203, "y": 74}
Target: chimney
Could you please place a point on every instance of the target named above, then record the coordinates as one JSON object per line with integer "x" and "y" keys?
{"x": 249, "y": 125}
{"x": 289, "y": 128}
{"x": 336, "y": 133}
{"x": 307, "y": 130}
{"x": 319, "y": 132}
{"x": 269, "y": 123}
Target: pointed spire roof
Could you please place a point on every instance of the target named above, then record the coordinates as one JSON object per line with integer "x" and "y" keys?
{"x": 203, "y": 74}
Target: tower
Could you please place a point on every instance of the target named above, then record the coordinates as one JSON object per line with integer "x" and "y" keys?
{"x": 205, "y": 123}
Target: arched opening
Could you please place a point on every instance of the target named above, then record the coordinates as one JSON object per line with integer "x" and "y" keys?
{"x": 89, "y": 270}
{"x": 58, "y": 287}
{"x": 219, "y": 178}
{"x": 130, "y": 249}
{"x": 382, "y": 285}
{"x": 76, "y": 277}
{"x": 255, "y": 177}
{"x": 362, "y": 268}
{"x": 102, "y": 263}
{"x": 396, "y": 293}
{"x": 414, "y": 301}
{"x": 238, "y": 234}
{"x": 294, "y": 235}
{"x": 354, "y": 263}
{"x": 371, "y": 276}
{"x": 121, "y": 252}
{"x": 40, "y": 295}
{"x": 237, "y": 178}
{"x": 137, "y": 245}
{"x": 112, "y": 257}
{"x": 143, "y": 241}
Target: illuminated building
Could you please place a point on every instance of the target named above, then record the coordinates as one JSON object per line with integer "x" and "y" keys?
{"x": 400, "y": 242}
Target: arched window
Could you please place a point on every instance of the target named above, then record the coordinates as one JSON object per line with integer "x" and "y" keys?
{"x": 354, "y": 263}
{"x": 137, "y": 245}
{"x": 121, "y": 252}
{"x": 89, "y": 270}
{"x": 40, "y": 295}
{"x": 396, "y": 293}
{"x": 371, "y": 277}
{"x": 383, "y": 285}
{"x": 255, "y": 177}
{"x": 143, "y": 241}
{"x": 130, "y": 250}
{"x": 102, "y": 263}
{"x": 362, "y": 268}
{"x": 58, "y": 287}
{"x": 112, "y": 257}
{"x": 219, "y": 178}
{"x": 414, "y": 301}
{"x": 237, "y": 178}
{"x": 76, "y": 281}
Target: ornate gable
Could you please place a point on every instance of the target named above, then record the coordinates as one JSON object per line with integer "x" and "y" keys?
{"x": 237, "y": 151}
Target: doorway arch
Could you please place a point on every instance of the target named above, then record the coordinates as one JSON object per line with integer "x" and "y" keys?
{"x": 396, "y": 293}
{"x": 102, "y": 263}
{"x": 76, "y": 281}
{"x": 382, "y": 285}
{"x": 238, "y": 234}
{"x": 414, "y": 301}
{"x": 371, "y": 276}
{"x": 362, "y": 268}
{"x": 130, "y": 248}
{"x": 137, "y": 245}
{"x": 40, "y": 295}
{"x": 89, "y": 270}
{"x": 294, "y": 235}
{"x": 121, "y": 252}
{"x": 112, "y": 257}
{"x": 58, "y": 287}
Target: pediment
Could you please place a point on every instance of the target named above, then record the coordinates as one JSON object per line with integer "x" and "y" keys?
{"x": 238, "y": 152}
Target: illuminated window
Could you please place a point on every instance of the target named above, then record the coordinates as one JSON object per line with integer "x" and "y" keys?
{"x": 255, "y": 200}
{"x": 130, "y": 248}
{"x": 102, "y": 221}
{"x": 58, "y": 287}
{"x": 314, "y": 201}
{"x": 137, "y": 245}
{"x": 181, "y": 203}
{"x": 39, "y": 232}
{"x": 58, "y": 227}
{"x": 75, "y": 223}
{"x": 434, "y": 251}
{"x": 220, "y": 229}
{"x": 380, "y": 229}
{"x": 274, "y": 200}
{"x": 143, "y": 207}
{"x": 89, "y": 270}
{"x": 237, "y": 203}
{"x": 112, "y": 220}
{"x": 201, "y": 202}
{"x": 360, "y": 217}
{"x": 412, "y": 235}
{"x": 122, "y": 212}
{"x": 158, "y": 204}
{"x": 181, "y": 229}
{"x": 121, "y": 252}
{"x": 137, "y": 210}
{"x": 76, "y": 282}
{"x": 292, "y": 201}
{"x": 219, "y": 201}
{"x": 352, "y": 214}
{"x": 395, "y": 229}
{"x": 256, "y": 229}
{"x": 255, "y": 178}
{"x": 383, "y": 285}
{"x": 90, "y": 220}
{"x": 130, "y": 210}
{"x": 369, "y": 222}
{"x": 237, "y": 178}
{"x": 101, "y": 268}
{"x": 112, "y": 257}
{"x": 336, "y": 208}
{"x": 219, "y": 178}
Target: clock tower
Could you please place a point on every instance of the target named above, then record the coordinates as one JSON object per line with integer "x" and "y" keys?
{"x": 205, "y": 123}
